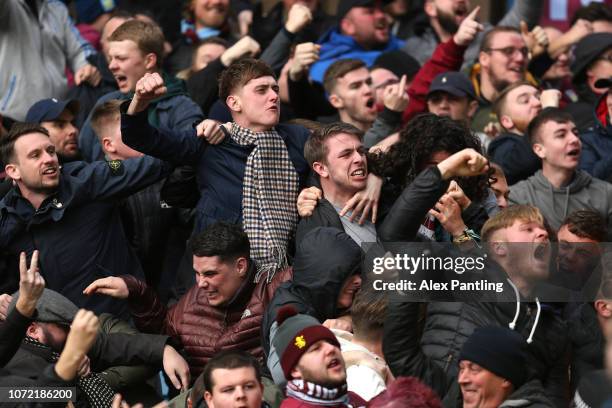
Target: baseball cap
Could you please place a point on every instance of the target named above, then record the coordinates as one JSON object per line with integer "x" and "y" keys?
{"x": 346, "y": 5}
{"x": 50, "y": 109}
{"x": 454, "y": 83}
{"x": 587, "y": 50}
{"x": 51, "y": 308}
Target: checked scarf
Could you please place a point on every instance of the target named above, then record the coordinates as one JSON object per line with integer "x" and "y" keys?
{"x": 99, "y": 394}
{"x": 269, "y": 194}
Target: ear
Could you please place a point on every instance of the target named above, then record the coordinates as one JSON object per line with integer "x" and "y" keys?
{"x": 500, "y": 249}
{"x": 320, "y": 169}
{"x": 507, "y": 385}
{"x": 233, "y": 102}
{"x": 539, "y": 150}
{"x": 296, "y": 373}
{"x": 32, "y": 330}
{"x": 336, "y": 101}
{"x": 603, "y": 308}
{"x": 430, "y": 9}
{"x": 150, "y": 61}
{"x": 12, "y": 171}
{"x": 108, "y": 145}
{"x": 506, "y": 122}
{"x": 472, "y": 108}
{"x": 242, "y": 265}
{"x": 347, "y": 27}
{"x": 209, "y": 400}
{"x": 484, "y": 59}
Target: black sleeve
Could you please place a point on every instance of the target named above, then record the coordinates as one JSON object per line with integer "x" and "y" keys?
{"x": 114, "y": 349}
{"x": 203, "y": 86}
{"x": 308, "y": 99}
{"x": 540, "y": 64}
{"x": 475, "y": 217}
{"x": 12, "y": 332}
{"x": 180, "y": 189}
{"x": 407, "y": 213}
{"x": 402, "y": 350}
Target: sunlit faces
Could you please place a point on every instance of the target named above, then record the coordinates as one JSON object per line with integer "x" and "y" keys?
{"x": 210, "y": 13}
{"x": 558, "y": 145}
{"x": 128, "y": 64}
{"x": 345, "y": 164}
{"x": 205, "y": 54}
{"x": 322, "y": 364}
{"x": 353, "y": 96}
{"x": 456, "y": 107}
{"x": 368, "y": 26}
{"x": 521, "y": 106}
{"x": 257, "y": 104}
{"x": 219, "y": 280}
{"x": 350, "y": 287}
{"x": 36, "y": 167}
{"x": 481, "y": 388}
{"x": 63, "y": 134}
{"x": 234, "y": 388}
{"x": 506, "y": 59}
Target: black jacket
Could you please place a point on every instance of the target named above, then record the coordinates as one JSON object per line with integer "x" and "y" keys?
{"x": 12, "y": 331}
{"x": 515, "y": 156}
{"x": 77, "y": 230}
{"x": 588, "y": 343}
{"x": 324, "y": 260}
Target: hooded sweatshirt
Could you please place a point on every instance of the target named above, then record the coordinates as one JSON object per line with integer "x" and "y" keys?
{"x": 324, "y": 260}
{"x": 596, "y": 156}
{"x": 583, "y": 192}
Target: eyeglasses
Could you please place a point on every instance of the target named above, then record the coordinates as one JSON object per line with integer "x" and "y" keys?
{"x": 511, "y": 51}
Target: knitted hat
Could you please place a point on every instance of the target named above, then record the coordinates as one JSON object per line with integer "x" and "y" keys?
{"x": 295, "y": 334}
{"x": 588, "y": 50}
{"x": 51, "y": 308}
{"x": 498, "y": 350}
{"x": 399, "y": 63}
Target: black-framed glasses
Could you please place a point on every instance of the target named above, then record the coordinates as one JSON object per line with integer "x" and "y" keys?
{"x": 511, "y": 51}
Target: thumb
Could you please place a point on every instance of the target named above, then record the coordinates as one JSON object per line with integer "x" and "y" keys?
{"x": 524, "y": 28}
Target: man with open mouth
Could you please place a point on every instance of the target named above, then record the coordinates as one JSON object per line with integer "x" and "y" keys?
{"x": 312, "y": 363}
{"x": 560, "y": 188}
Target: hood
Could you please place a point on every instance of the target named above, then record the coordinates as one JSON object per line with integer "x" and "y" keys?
{"x": 324, "y": 260}
{"x": 601, "y": 113}
{"x": 504, "y": 138}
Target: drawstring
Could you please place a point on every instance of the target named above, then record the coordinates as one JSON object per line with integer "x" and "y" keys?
{"x": 567, "y": 197}
{"x": 512, "y": 324}
{"x": 535, "y": 324}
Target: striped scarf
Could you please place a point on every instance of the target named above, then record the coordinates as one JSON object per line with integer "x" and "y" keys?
{"x": 269, "y": 194}
{"x": 316, "y": 394}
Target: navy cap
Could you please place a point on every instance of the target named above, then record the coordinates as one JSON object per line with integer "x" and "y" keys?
{"x": 587, "y": 50}
{"x": 454, "y": 83}
{"x": 50, "y": 109}
{"x": 346, "y": 5}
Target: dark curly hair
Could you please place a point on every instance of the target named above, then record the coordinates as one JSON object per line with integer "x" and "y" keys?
{"x": 423, "y": 136}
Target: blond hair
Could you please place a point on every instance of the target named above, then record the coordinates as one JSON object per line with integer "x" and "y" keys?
{"x": 508, "y": 216}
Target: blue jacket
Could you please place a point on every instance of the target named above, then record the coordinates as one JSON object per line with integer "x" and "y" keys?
{"x": 77, "y": 230}
{"x": 596, "y": 156}
{"x": 219, "y": 168}
{"x": 175, "y": 110}
{"x": 515, "y": 156}
{"x": 335, "y": 46}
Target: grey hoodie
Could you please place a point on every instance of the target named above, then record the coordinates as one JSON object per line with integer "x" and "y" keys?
{"x": 34, "y": 51}
{"x": 583, "y": 192}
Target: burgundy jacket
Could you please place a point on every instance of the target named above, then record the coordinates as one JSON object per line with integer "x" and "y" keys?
{"x": 355, "y": 401}
{"x": 202, "y": 329}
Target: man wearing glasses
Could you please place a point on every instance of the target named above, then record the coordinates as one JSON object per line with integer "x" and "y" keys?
{"x": 502, "y": 61}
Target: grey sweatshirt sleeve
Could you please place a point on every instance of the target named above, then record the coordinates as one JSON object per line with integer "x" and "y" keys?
{"x": 277, "y": 52}
{"x": 76, "y": 48}
{"x": 528, "y": 10}
{"x": 385, "y": 124}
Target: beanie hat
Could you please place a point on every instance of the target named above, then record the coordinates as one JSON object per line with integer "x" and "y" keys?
{"x": 88, "y": 10}
{"x": 587, "y": 50}
{"x": 499, "y": 350}
{"x": 294, "y": 336}
{"x": 52, "y": 307}
{"x": 398, "y": 62}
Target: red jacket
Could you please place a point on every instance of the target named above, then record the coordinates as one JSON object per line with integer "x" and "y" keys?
{"x": 202, "y": 329}
{"x": 447, "y": 56}
{"x": 355, "y": 401}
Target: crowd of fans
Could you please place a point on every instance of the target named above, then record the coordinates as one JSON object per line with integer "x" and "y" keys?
{"x": 191, "y": 193}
